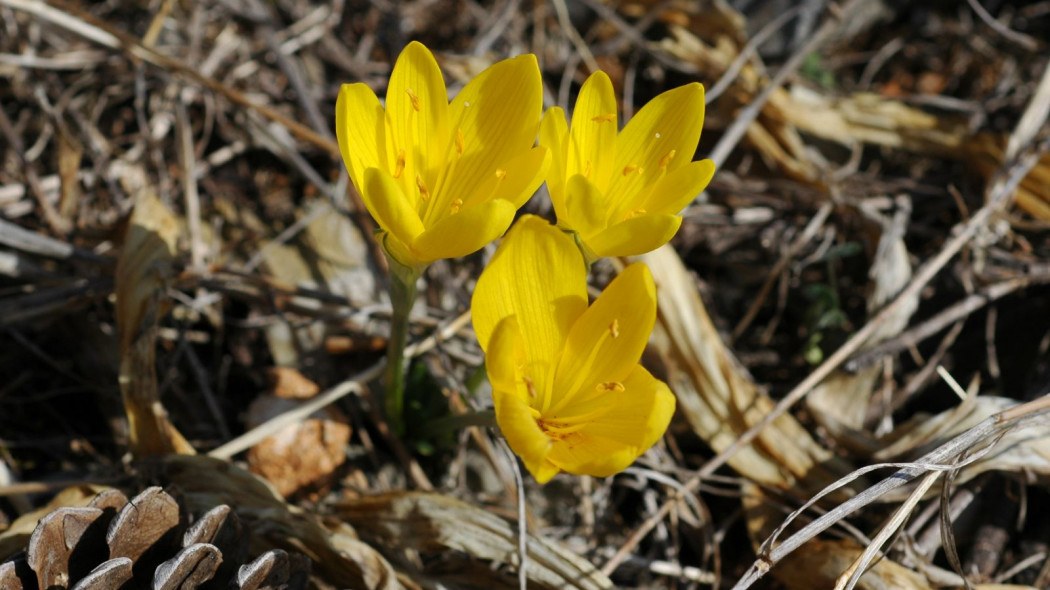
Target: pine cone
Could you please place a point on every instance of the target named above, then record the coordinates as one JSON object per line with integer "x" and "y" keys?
{"x": 147, "y": 542}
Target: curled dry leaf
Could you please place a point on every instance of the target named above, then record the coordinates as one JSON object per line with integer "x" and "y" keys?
{"x": 840, "y": 403}
{"x": 439, "y": 525}
{"x": 718, "y": 397}
{"x": 1020, "y": 450}
{"x": 301, "y": 456}
{"x": 144, "y": 270}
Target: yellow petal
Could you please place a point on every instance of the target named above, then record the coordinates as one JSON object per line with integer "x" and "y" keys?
{"x": 497, "y": 115}
{"x": 661, "y": 138}
{"x": 591, "y": 455}
{"x": 637, "y": 235}
{"x": 605, "y": 343}
{"x": 593, "y": 130}
{"x": 674, "y": 192}
{"x": 465, "y": 232}
{"x": 636, "y": 417}
{"x": 524, "y": 435}
{"x": 538, "y": 276}
{"x": 389, "y": 206}
{"x": 417, "y": 112}
{"x": 554, "y": 134}
{"x": 360, "y": 129}
{"x": 516, "y": 182}
{"x": 584, "y": 207}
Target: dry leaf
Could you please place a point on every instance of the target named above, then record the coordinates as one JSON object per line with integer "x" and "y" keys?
{"x": 302, "y": 455}
{"x": 440, "y": 525}
{"x": 144, "y": 270}
{"x": 718, "y": 397}
{"x": 1021, "y": 450}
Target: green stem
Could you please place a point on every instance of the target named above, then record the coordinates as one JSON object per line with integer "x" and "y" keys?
{"x": 403, "y": 289}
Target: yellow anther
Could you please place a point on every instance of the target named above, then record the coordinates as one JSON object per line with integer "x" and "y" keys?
{"x": 587, "y": 170}
{"x": 456, "y": 205}
{"x": 530, "y": 387}
{"x": 606, "y": 118}
{"x": 629, "y": 168}
{"x": 399, "y": 167}
{"x": 614, "y": 328}
{"x": 610, "y": 386}
{"x": 459, "y": 141}
{"x": 423, "y": 192}
{"x": 635, "y": 213}
{"x": 501, "y": 173}
{"x": 412, "y": 97}
{"x": 664, "y": 161}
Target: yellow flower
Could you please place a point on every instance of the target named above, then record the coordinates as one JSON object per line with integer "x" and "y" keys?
{"x": 621, "y": 193}
{"x": 442, "y": 180}
{"x": 568, "y": 389}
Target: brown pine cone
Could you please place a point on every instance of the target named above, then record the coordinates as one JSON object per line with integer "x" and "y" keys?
{"x": 147, "y": 542}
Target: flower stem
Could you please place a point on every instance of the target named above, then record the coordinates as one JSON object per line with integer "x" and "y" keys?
{"x": 403, "y": 289}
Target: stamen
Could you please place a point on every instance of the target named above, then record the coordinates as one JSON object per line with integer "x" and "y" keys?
{"x": 399, "y": 167}
{"x": 459, "y": 141}
{"x": 614, "y": 328}
{"x": 530, "y": 387}
{"x": 606, "y": 118}
{"x": 629, "y": 168}
{"x": 609, "y": 386}
{"x": 423, "y": 192}
{"x": 664, "y": 161}
{"x": 412, "y": 97}
{"x": 456, "y": 205}
{"x": 501, "y": 173}
{"x": 587, "y": 169}
{"x": 633, "y": 214}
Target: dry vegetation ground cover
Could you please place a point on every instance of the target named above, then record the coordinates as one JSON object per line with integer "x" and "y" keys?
{"x": 855, "y": 316}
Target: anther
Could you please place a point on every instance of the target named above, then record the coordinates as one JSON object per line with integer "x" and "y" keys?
{"x": 423, "y": 192}
{"x": 399, "y": 167}
{"x": 501, "y": 173}
{"x": 412, "y": 97}
{"x": 629, "y": 168}
{"x": 587, "y": 170}
{"x": 529, "y": 387}
{"x": 664, "y": 161}
{"x": 606, "y": 118}
{"x": 459, "y": 141}
{"x": 614, "y": 328}
{"x": 456, "y": 205}
{"x": 610, "y": 386}
{"x": 635, "y": 213}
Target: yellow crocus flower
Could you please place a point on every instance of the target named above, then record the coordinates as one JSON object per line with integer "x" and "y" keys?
{"x": 622, "y": 192}
{"x": 568, "y": 389}
{"x": 440, "y": 179}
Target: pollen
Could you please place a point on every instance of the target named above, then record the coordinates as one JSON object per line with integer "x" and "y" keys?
{"x": 501, "y": 173}
{"x": 664, "y": 161}
{"x": 636, "y": 213}
{"x": 454, "y": 207}
{"x": 606, "y": 118}
{"x": 423, "y": 192}
{"x": 460, "y": 144}
{"x": 399, "y": 167}
{"x": 412, "y": 97}
{"x": 610, "y": 386}
{"x": 631, "y": 168}
{"x": 614, "y": 329}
